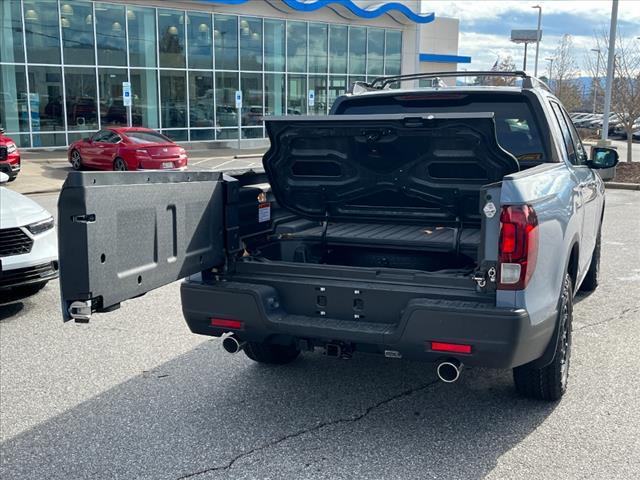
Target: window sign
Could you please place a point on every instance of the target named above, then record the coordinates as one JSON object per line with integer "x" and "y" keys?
{"x": 312, "y": 98}
{"x": 126, "y": 94}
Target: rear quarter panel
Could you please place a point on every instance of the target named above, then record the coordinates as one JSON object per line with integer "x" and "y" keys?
{"x": 552, "y": 191}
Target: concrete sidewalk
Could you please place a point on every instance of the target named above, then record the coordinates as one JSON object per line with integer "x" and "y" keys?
{"x": 45, "y": 171}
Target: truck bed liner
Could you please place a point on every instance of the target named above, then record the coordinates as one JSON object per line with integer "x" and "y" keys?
{"x": 436, "y": 238}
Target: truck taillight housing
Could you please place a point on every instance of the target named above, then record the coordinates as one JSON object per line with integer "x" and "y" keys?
{"x": 518, "y": 248}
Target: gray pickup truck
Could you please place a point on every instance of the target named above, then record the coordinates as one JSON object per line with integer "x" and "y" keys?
{"x": 451, "y": 225}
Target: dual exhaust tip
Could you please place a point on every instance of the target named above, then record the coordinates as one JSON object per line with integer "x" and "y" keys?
{"x": 448, "y": 370}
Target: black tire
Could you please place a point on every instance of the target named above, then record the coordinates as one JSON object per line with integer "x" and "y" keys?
{"x": 11, "y": 179}
{"x": 271, "y": 354}
{"x": 590, "y": 282}
{"x": 119, "y": 165}
{"x": 76, "y": 160}
{"x": 31, "y": 289}
{"x": 550, "y": 382}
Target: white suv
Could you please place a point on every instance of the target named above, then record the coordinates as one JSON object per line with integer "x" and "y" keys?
{"x": 28, "y": 243}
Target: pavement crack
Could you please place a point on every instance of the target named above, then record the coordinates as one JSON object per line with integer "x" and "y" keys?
{"x": 622, "y": 314}
{"x": 352, "y": 419}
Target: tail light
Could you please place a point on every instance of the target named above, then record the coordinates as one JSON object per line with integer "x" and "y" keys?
{"x": 226, "y": 323}
{"x": 518, "y": 246}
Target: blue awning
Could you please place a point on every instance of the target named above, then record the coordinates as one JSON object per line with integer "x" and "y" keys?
{"x": 436, "y": 57}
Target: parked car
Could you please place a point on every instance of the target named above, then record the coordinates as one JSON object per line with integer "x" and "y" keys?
{"x": 450, "y": 225}
{"x": 28, "y": 243}
{"x": 127, "y": 148}
{"x": 9, "y": 157}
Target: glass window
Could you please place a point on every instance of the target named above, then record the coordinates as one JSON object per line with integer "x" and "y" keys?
{"x": 76, "y": 20}
{"x": 42, "y": 31}
{"x": 175, "y": 135}
{"x": 173, "y": 98}
{"x": 45, "y": 98}
{"x": 375, "y": 51}
{"x": 50, "y": 139}
{"x": 146, "y": 137}
{"x": 318, "y": 84}
{"x": 225, "y": 39}
{"x": 250, "y": 43}
{"x": 252, "y": 132}
{"x": 171, "y": 38}
{"x": 297, "y": 47}
{"x": 297, "y": 101}
{"x": 251, "y": 84}
{"x": 274, "y": 99}
{"x": 144, "y": 94}
{"x": 205, "y": 134}
{"x": 337, "y": 87}
{"x": 142, "y": 36}
{"x": 201, "y": 104}
{"x": 112, "y": 109}
{"x": 11, "y": 48}
{"x": 226, "y": 86}
{"x": 357, "y": 49}
{"x": 318, "y": 44}
{"x": 274, "y": 45}
{"x": 82, "y": 108}
{"x": 337, "y": 49}
{"x": 200, "y": 40}
{"x": 110, "y": 34}
{"x": 226, "y": 133}
{"x": 14, "y": 114}
{"x": 393, "y": 47}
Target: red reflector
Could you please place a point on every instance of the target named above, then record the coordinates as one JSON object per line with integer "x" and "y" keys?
{"x": 225, "y": 323}
{"x": 450, "y": 347}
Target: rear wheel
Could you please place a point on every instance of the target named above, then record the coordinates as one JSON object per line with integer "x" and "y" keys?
{"x": 271, "y": 354}
{"x": 76, "y": 160}
{"x": 550, "y": 382}
{"x": 119, "y": 165}
{"x": 590, "y": 282}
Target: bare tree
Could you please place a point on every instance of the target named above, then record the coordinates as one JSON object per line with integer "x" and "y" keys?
{"x": 505, "y": 64}
{"x": 625, "y": 92}
{"x": 565, "y": 73}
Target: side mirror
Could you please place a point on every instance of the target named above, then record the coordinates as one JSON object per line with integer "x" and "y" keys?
{"x": 4, "y": 178}
{"x": 603, "y": 157}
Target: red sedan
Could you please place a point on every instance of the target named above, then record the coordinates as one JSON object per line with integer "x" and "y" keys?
{"x": 129, "y": 148}
{"x": 9, "y": 156}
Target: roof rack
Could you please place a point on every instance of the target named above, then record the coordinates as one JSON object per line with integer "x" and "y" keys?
{"x": 380, "y": 83}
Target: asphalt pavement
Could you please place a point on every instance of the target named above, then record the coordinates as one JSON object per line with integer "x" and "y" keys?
{"x": 134, "y": 394}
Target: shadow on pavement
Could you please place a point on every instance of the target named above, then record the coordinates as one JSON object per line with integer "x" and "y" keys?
{"x": 367, "y": 417}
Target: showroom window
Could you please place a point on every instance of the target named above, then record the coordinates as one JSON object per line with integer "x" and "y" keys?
{"x": 144, "y": 90}
{"x": 296, "y": 46}
{"x": 338, "y": 48}
{"x": 393, "y": 45}
{"x": 171, "y": 38}
{"x": 14, "y": 114}
{"x": 113, "y": 113}
{"x": 357, "y": 49}
{"x": 225, "y": 39}
{"x": 250, "y": 43}
{"x": 142, "y": 36}
{"x": 274, "y": 45}
{"x": 45, "y": 99}
{"x": 375, "y": 51}
{"x": 76, "y": 23}
{"x": 42, "y": 31}
{"x": 200, "y": 40}
{"x": 111, "y": 38}
{"x": 82, "y": 108}
{"x": 11, "y": 48}
{"x": 318, "y": 45}
{"x": 173, "y": 99}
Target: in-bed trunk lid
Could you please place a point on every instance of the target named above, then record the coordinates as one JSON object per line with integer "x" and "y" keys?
{"x": 385, "y": 168}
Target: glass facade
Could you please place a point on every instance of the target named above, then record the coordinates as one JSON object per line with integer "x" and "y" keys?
{"x": 63, "y": 63}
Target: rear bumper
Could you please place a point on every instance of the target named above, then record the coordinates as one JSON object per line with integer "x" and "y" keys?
{"x": 500, "y": 338}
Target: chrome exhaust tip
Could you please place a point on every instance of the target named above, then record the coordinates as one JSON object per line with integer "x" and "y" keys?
{"x": 449, "y": 370}
{"x": 232, "y": 345}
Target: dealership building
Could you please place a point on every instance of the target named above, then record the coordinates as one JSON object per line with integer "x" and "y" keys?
{"x": 72, "y": 67}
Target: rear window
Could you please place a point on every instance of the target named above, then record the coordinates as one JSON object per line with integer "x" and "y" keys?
{"x": 516, "y": 128}
{"x": 147, "y": 137}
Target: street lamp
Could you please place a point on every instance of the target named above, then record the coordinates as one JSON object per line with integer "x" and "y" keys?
{"x": 550, "y": 60}
{"x": 596, "y": 77}
{"x": 535, "y": 71}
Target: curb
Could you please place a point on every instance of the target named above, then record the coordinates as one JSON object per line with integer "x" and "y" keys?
{"x": 248, "y": 155}
{"x": 622, "y": 186}
{"x": 41, "y": 192}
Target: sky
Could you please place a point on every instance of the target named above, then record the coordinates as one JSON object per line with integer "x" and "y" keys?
{"x": 485, "y": 27}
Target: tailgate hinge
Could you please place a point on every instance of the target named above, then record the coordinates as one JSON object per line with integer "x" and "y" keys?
{"x": 485, "y": 276}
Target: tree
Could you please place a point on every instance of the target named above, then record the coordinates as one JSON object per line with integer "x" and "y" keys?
{"x": 625, "y": 91}
{"x": 565, "y": 73}
{"x": 505, "y": 64}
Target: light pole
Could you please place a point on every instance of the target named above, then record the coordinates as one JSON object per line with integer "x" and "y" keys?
{"x": 595, "y": 80}
{"x": 610, "y": 62}
{"x": 550, "y": 60}
{"x": 535, "y": 70}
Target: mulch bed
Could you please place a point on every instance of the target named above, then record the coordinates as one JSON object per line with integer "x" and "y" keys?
{"x": 627, "y": 172}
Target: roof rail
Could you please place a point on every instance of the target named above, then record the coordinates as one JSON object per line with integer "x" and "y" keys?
{"x": 528, "y": 81}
